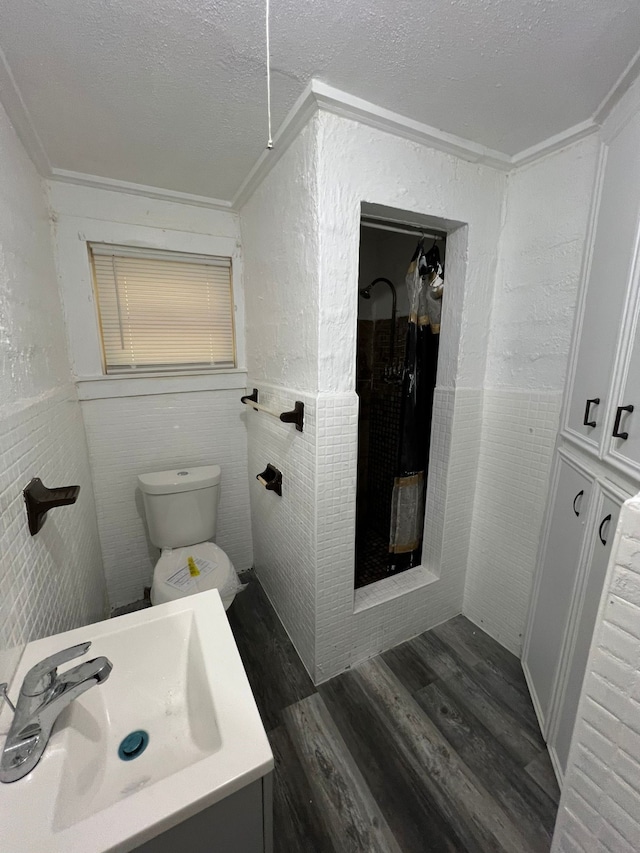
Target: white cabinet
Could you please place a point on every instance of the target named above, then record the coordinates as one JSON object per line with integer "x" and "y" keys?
{"x": 608, "y": 292}
{"x": 570, "y": 501}
{"x": 578, "y": 641}
{"x": 623, "y": 449}
{"x": 582, "y": 515}
{"x": 601, "y": 423}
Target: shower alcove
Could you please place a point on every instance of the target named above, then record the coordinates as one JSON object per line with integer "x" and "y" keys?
{"x": 395, "y": 378}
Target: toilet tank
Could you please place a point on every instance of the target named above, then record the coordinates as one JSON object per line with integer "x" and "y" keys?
{"x": 181, "y": 506}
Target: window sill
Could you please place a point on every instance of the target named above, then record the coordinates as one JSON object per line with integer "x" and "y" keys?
{"x": 148, "y": 384}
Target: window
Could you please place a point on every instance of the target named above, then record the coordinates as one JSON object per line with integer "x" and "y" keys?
{"x": 163, "y": 311}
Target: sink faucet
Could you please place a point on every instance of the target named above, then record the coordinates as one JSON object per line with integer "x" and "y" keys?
{"x": 43, "y": 696}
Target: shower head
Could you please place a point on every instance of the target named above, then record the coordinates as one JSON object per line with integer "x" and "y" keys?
{"x": 366, "y": 292}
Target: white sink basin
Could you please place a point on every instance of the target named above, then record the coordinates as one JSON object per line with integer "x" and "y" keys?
{"x": 177, "y": 675}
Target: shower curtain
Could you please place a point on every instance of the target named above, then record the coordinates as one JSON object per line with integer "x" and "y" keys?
{"x": 424, "y": 287}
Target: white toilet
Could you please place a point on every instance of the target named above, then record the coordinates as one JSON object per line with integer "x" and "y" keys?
{"x": 182, "y": 511}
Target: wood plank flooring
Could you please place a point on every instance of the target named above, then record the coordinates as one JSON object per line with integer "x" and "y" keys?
{"x": 431, "y": 746}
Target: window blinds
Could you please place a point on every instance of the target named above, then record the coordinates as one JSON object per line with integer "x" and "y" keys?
{"x": 163, "y": 310}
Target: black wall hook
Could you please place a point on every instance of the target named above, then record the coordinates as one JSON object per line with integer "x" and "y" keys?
{"x": 39, "y": 500}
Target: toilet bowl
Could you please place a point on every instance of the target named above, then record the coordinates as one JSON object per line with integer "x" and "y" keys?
{"x": 181, "y": 507}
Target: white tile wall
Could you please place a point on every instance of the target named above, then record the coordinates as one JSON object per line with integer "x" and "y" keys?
{"x": 284, "y": 528}
{"x": 599, "y": 810}
{"x": 348, "y": 630}
{"x": 53, "y": 581}
{"x": 518, "y": 436}
{"x": 128, "y": 436}
{"x": 304, "y": 542}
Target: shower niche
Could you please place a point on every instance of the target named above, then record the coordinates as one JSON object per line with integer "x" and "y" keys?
{"x": 401, "y": 288}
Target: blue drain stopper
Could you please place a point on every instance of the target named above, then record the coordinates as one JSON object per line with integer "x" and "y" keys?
{"x": 133, "y": 745}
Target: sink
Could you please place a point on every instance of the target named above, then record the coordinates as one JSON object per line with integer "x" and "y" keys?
{"x": 177, "y": 676}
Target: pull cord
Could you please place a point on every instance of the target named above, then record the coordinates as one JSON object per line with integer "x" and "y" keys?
{"x": 270, "y": 140}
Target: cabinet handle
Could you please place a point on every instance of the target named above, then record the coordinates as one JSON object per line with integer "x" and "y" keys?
{"x": 616, "y": 426}
{"x": 595, "y": 401}
{"x": 602, "y": 524}
{"x": 579, "y": 495}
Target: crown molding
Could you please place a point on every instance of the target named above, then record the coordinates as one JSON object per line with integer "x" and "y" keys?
{"x": 316, "y": 96}
{"x": 21, "y": 120}
{"x": 348, "y": 106}
{"x": 320, "y": 96}
{"x": 297, "y": 117}
{"x": 96, "y": 182}
{"x": 554, "y": 143}
{"x": 622, "y": 85}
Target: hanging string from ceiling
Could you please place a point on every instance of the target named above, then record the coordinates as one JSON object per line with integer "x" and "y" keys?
{"x": 270, "y": 140}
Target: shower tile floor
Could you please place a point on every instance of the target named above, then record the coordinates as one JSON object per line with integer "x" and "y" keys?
{"x": 431, "y": 746}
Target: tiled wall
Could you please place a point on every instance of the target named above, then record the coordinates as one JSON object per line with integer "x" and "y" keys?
{"x": 518, "y": 435}
{"x": 128, "y": 436}
{"x": 599, "y": 807}
{"x": 53, "y": 581}
{"x": 284, "y": 528}
{"x": 352, "y": 627}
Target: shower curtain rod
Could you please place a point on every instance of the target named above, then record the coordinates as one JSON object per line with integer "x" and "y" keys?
{"x": 412, "y": 230}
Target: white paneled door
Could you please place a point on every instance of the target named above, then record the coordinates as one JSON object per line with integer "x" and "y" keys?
{"x": 557, "y": 576}
{"x": 601, "y": 538}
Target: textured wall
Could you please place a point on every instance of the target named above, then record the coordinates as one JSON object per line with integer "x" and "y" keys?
{"x": 301, "y": 235}
{"x": 541, "y": 246}
{"x": 168, "y": 423}
{"x": 280, "y": 236}
{"x": 282, "y": 259}
{"x": 360, "y": 164}
{"x": 599, "y": 806}
{"x": 545, "y": 220}
{"x": 51, "y": 582}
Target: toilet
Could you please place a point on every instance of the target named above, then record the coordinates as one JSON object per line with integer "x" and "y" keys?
{"x": 181, "y": 507}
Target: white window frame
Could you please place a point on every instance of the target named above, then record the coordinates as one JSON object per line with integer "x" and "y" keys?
{"x": 72, "y": 234}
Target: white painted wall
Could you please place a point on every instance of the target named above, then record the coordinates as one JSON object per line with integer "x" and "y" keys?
{"x": 546, "y": 214}
{"x": 360, "y": 164}
{"x": 301, "y": 270}
{"x": 281, "y": 246}
{"x": 136, "y": 425}
{"x": 599, "y": 806}
{"x": 282, "y": 268}
{"x": 51, "y": 582}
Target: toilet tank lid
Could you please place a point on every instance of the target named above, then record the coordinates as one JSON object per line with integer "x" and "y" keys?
{"x": 179, "y": 480}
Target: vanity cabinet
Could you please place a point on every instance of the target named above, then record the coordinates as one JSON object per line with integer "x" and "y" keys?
{"x": 241, "y": 821}
{"x": 582, "y": 516}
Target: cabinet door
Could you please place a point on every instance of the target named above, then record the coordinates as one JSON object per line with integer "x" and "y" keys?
{"x": 601, "y": 537}
{"x": 624, "y": 451}
{"x": 557, "y": 576}
{"x": 611, "y": 263}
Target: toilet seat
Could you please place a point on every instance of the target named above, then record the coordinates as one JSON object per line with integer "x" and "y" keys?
{"x": 172, "y": 579}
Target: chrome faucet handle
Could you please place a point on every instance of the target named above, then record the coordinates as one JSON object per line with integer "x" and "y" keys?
{"x": 41, "y": 676}
{"x": 4, "y": 687}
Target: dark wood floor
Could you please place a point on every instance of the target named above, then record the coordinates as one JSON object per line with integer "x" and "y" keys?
{"x": 431, "y": 746}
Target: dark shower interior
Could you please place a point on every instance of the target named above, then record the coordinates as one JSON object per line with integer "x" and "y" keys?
{"x": 384, "y": 259}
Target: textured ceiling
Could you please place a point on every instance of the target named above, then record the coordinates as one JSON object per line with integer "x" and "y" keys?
{"x": 171, "y": 93}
